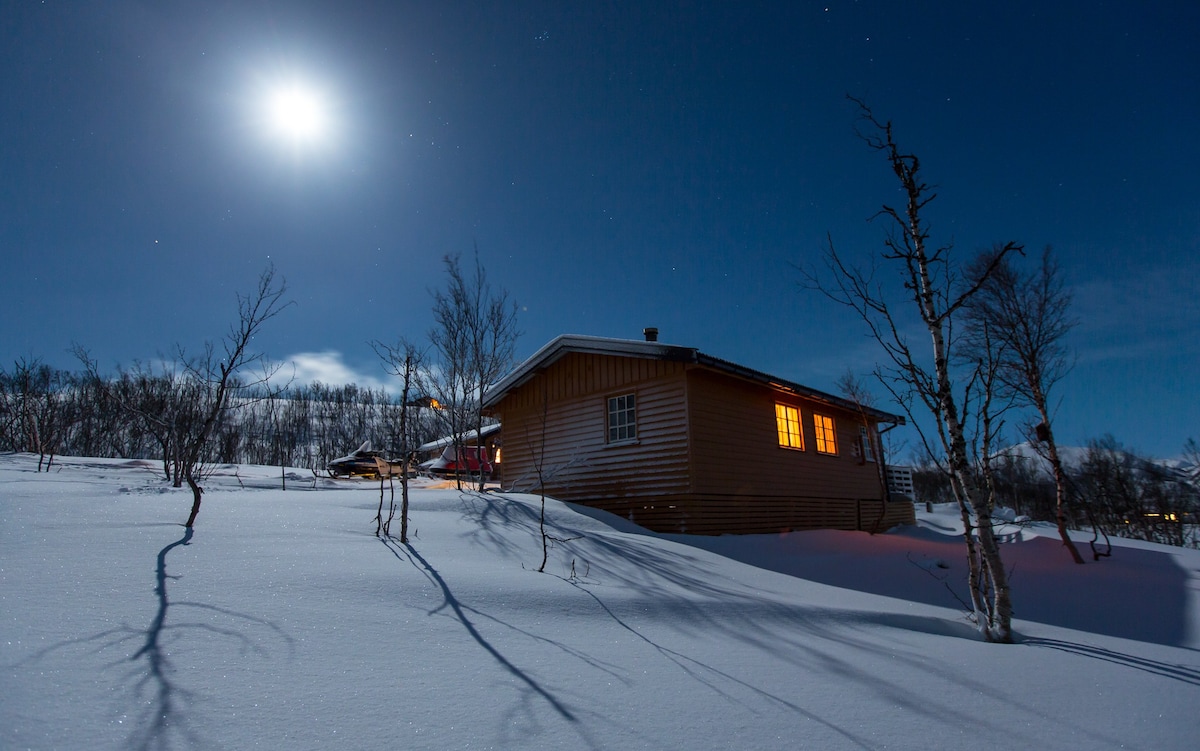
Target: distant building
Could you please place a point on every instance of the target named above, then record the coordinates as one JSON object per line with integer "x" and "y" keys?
{"x": 900, "y": 482}
{"x": 679, "y": 441}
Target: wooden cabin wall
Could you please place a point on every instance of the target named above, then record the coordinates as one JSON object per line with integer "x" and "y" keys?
{"x": 880, "y": 516}
{"x": 705, "y": 514}
{"x": 736, "y": 452}
{"x": 565, "y": 409}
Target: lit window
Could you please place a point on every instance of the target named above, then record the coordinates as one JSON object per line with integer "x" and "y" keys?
{"x": 787, "y": 422}
{"x": 826, "y": 437}
{"x": 622, "y": 418}
{"x": 868, "y": 448}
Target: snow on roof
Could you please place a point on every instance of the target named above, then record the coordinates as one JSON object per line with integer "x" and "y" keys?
{"x": 441, "y": 443}
{"x": 569, "y": 343}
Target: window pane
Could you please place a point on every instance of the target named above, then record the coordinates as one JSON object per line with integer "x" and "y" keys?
{"x": 868, "y": 448}
{"x": 622, "y": 418}
{"x": 826, "y": 436}
{"x": 787, "y": 424}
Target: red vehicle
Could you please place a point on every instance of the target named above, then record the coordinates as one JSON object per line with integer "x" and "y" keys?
{"x": 468, "y": 462}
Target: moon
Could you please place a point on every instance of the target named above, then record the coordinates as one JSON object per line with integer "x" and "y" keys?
{"x": 298, "y": 114}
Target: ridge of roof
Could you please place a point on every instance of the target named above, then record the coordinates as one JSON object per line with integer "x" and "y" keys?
{"x": 567, "y": 343}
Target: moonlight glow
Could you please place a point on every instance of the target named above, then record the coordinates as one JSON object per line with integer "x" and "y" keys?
{"x": 298, "y": 114}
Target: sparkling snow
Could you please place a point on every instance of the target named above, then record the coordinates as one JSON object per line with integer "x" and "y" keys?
{"x": 283, "y": 622}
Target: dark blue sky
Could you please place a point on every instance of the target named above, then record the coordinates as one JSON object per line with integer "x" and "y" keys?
{"x": 619, "y": 165}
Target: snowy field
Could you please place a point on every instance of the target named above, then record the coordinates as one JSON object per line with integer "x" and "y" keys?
{"x": 284, "y": 623}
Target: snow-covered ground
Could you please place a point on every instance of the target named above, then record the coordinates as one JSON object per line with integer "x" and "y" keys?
{"x": 284, "y": 623}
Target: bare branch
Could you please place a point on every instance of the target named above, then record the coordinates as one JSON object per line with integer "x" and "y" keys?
{"x": 926, "y": 276}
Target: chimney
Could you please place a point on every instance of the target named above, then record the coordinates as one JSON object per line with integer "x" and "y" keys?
{"x": 651, "y": 334}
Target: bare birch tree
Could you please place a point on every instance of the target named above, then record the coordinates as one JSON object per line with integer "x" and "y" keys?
{"x": 475, "y": 335}
{"x": 1027, "y": 316}
{"x": 185, "y": 408}
{"x": 928, "y": 280}
{"x": 403, "y": 360}
{"x": 41, "y": 409}
{"x": 217, "y": 375}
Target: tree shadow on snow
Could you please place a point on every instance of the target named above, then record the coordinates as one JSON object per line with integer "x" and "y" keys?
{"x": 635, "y": 578}
{"x": 646, "y": 581}
{"x": 162, "y": 715}
{"x": 714, "y": 678}
{"x": 409, "y": 554}
{"x": 161, "y": 707}
{"x": 166, "y": 715}
{"x": 494, "y": 516}
{"x": 640, "y": 580}
{"x": 1177, "y": 672}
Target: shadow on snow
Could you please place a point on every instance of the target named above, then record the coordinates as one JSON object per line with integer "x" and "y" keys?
{"x": 643, "y": 585}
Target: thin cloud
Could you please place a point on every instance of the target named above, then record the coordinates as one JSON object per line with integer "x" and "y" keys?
{"x": 330, "y": 368}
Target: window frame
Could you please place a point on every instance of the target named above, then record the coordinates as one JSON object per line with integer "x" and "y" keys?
{"x": 867, "y": 446}
{"x": 626, "y": 405}
{"x": 784, "y": 427}
{"x": 825, "y": 432}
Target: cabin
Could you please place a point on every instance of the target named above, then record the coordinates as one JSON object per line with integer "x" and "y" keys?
{"x": 679, "y": 441}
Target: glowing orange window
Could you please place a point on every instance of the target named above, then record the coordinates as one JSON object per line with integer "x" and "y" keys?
{"x": 826, "y": 436}
{"x": 787, "y": 423}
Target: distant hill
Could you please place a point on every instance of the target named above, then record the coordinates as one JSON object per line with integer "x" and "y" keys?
{"x": 1073, "y": 457}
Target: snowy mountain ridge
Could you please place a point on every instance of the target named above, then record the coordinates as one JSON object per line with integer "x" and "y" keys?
{"x": 1073, "y": 457}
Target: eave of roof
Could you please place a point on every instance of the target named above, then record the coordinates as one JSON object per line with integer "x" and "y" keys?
{"x": 569, "y": 343}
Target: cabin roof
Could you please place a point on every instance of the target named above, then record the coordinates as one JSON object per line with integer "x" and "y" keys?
{"x": 445, "y": 441}
{"x": 569, "y": 343}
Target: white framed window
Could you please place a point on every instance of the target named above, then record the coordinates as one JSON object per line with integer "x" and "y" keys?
{"x": 868, "y": 446}
{"x": 826, "y": 435}
{"x": 787, "y": 424}
{"x": 622, "y": 418}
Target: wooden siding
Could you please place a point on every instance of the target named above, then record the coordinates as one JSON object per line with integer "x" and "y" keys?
{"x": 566, "y": 408}
{"x": 878, "y": 516}
{"x": 706, "y": 514}
{"x": 736, "y": 452}
{"x": 707, "y": 458}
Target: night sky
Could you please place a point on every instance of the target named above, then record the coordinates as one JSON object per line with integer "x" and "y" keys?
{"x": 617, "y": 164}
